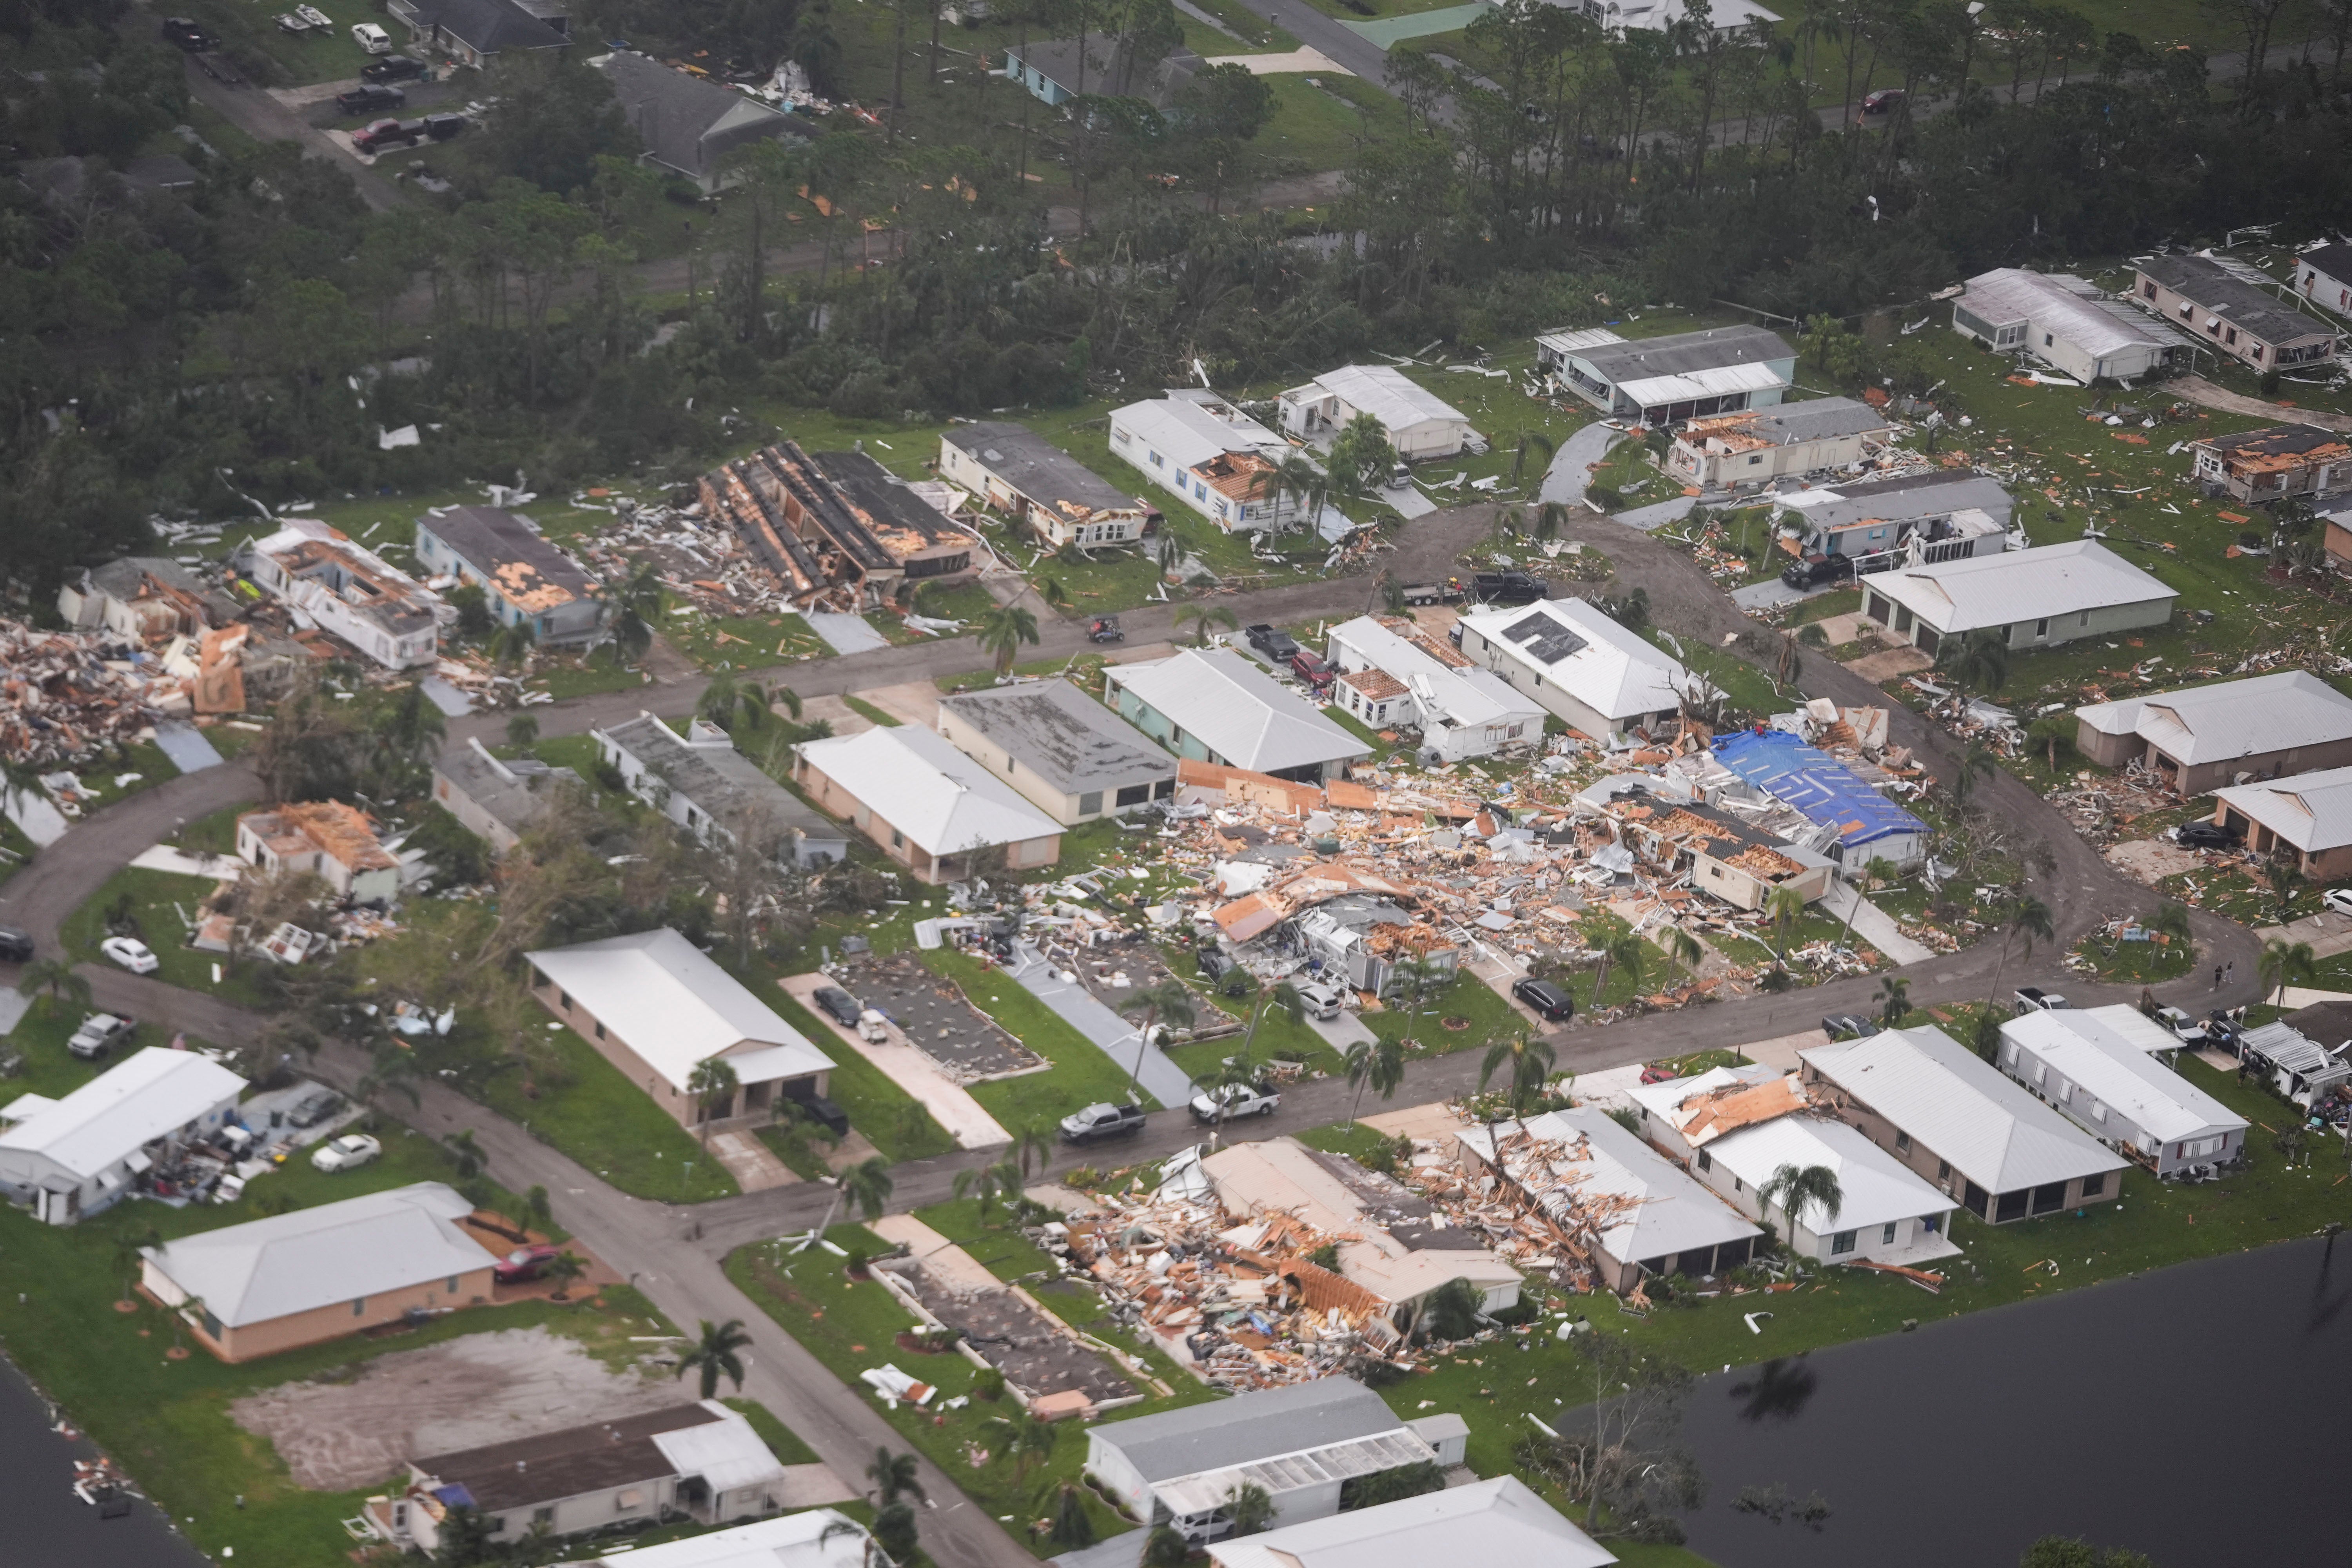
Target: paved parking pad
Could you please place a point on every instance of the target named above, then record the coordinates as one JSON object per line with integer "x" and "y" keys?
{"x": 937, "y": 1019}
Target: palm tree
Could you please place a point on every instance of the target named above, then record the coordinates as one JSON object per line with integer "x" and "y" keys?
{"x": 1025, "y": 1439}
{"x": 1418, "y": 977}
{"x": 2171, "y": 921}
{"x": 713, "y": 1084}
{"x": 714, "y": 1355}
{"x": 1204, "y": 618}
{"x": 868, "y": 1185}
{"x": 1530, "y": 1063}
{"x": 57, "y": 977}
{"x": 1533, "y": 441}
{"x": 1391, "y": 593}
{"x": 513, "y": 643}
{"x": 2286, "y": 884}
{"x": 1376, "y": 1062}
{"x": 1978, "y": 662}
{"x": 1682, "y": 950}
{"x": 2024, "y": 916}
{"x": 1894, "y": 1000}
{"x": 2282, "y": 963}
{"x": 1785, "y": 910}
{"x": 638, "y": 608}
{"x": 1250, "y": 1507}
{"x": 1002, "y": 629}
{"x": 1299, "y": 479}
{"x": 566, "y": 1267}
{"x": 1170, "y": 999}
{"x": 990, "y": 1184}
{"x": 1238, "y": 1074}
{"x": 1797, "y": 1191}
{"x": 895, "y": 1476}
{"x": 1623, "y": 950}
{"x": 522, "y": 730}
{"x": 1552, "y": 516}
{"x": 1166, "y": 1549}
{"x": 1977, "y": 761}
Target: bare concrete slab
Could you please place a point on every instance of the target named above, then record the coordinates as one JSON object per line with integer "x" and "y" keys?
{"x": 1890, "y": 663}
{"x": 1427, "y": 1122}
{"x": 950, "y": 1103}
{"x": 845, "y": 719}
{"x": 915, "y": 702}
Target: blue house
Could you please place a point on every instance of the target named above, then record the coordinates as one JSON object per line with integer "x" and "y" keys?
{"x": 524, "y": 580}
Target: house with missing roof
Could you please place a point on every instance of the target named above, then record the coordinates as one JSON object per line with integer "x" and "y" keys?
{"x": 700, "y": 782}
{"x": 1726, "y": 855}
{"x": 1041, "y": 488}
{"x": 2324, "y": 277}
{"x": 346, "y": 590}
{"x": 331, "y": 841}
{"x": 2033, "y": 598}
{"x": 1390, "y": 672}
{"x": 1489, "y": 1523}
{"x": 834, "y": 529}
{"x": 143, "y": 599}
{"x": 1914, "y": 520}
{"x": 321, "y": 1273}
{"x": 2308, "y": 815}
{"x": 813, "y": 1538}
{"x": 657, "y": 1007}
{"x": 2067, "y": 322}
{"x": 690, "y": 124}
{"x": 1071, "y": 757}
{"x": 925, "y": 804}
{"x": 1734, "y": 1128}
{"x": 1664, "y": 381}
{"x": 2226, "y": 305}
{"x": 700, "y": 1461}
{"x": 1956, "y": 1120}
{"x": 1302, "y": 1442}
{"x": 525, "y": 580}
{"x": 65, "y": 1159}
{"x": 1418, "y": 422}
{"x": 1638, "y": 1213}
{"x": 1213, "y": 705}
{"x": 2201, "y": 738}
{"x": 1758, "y": 446}
{"x": 497, "y": 799}
{"x": 1600, "y": 677}
{"x": 2098, "y": 1073}
{"x": 2302, "y": 1070}
{"x": 1864, "y": 826}
{"x": 2273, "y": 463}
{"x": 1216, "y": 459}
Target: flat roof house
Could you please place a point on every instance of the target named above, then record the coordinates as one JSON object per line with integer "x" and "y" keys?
{"x": 657, "y": 1007}
{"x": 1418, "y": 422}
{"x": 1497, "y": 1523}
{"x": 1824, "y": 791}
{"x": 1941, "y": 511}
{"x": 689, "y": 124}
{"x": 1734, "y": 1128}
{"x": 2033, "y": 598}
{"x": 2310, "y": 815}
{"x": 700, "y": 782}
{"x": 1301, "y": 1442}
{"x": 63, "y": 1159}
{"x": 1213, "y": 705}
{"x": 2324, "y": 277}
{"x": 2064, "y": 321}
{"x": 2224, "y": 304}
{"x": 2202, "y": 737}
{"x": 525, "y": 580}
{"x": 1599, "y": 677}
{"x": 1073, "y": 758}
{"x": 1041, "y": 487}
{"x": 332, "y": 841}
{"x": 497, "y": 799}
{"x": 1952, "y": 1117}
{"x": 1639, "y": 1211}
{"x": 348, "y": 590}
{"x": 2273, "y": 463}
{"x": 835, "y": 526}
{"x": 925, "y": 803}
{"x": 813, "y": 1538}
{"x": 701, "y": 1460}
{"x": 1726, "y": 451}
{"x": 2105, "y": 1082}
{"x": 1664, "y": 381}
{"x": 1218, "y": 460}
{"x": 321, "y": 1273}
{"x": 1391, "y": 672}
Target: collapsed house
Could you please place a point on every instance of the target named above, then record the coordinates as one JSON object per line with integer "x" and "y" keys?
{"x": 1345, "y": 922}
{"x": 62, "y": 699}
{"x": 330, "y": 581}
{"x": 836, "y": 528}
{"x": 1739, "y": 860}
{"x": 144, "y": 599}
{"x": 1868, "y": 825}
{"x": 1392, "y": 673}
{"x": 328, "y": 839}
{"x": 2273, "y": 463}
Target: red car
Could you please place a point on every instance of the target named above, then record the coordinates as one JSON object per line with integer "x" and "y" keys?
{"x": 1312, "y": 669}
{"x": 524, "y": 1263}
{"x": 386, "y": 133}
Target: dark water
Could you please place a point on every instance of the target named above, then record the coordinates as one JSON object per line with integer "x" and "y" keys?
{"x": 2201, "y": 1415}
{"x": 42, "y": 1523}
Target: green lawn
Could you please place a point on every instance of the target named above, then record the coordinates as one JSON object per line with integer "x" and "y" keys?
{"x": 40, "y": 1036}
{"x": 738, "y": 642}
{"x": 1081, "y": 1076}
{"x": 866, "y": 709}
{"x": 611, "y": 1126}
{"x": 161, "y": 907}
{"x": 2136, "y": 962}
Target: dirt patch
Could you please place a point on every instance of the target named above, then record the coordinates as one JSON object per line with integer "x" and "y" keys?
{"x": 2150, "y": 860}
{"x": 1889, "y": 664}
{"x": 483, "y": 1388}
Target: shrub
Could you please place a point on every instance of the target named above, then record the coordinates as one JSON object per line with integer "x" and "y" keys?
{"x": 988, "y": 1383}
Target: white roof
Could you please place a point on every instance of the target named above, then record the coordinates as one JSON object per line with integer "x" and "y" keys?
{"x": 2311, "y": 811}
{"x": 726, "y": 1453}
{"x": 1717, "y": 381}
{"x": 2230, "y": 718}
{"x": 1497, "y": 1523}
{"x": 2065, "y": 306}
{"x": 1189, "y": 432}
{"x": 1569, "y": 341}
{"x": 144, "y": 1097}
{"x": 297, "y": 1262}
{"x": 792, "y": 1540}
{"x": 675, "y": 1007}
{"x": 1468, "y": 697}
{"x": 1669, "y": 1211}
{"x": 2132, "y": 1027}
{"x": 2088, "y": 1048}
{"x": 916, "y": 781}
{"x": 1963, "y": 1108}
{"x": 2019, "y": 585}
{"x": 1237, "y": 711}
{"x": 1388, "y": 395}
{"x": 1617, "y": 673}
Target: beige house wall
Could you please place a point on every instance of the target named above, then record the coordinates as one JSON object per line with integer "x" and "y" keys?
{"x": 751, "y": 1101}
{"x": 834, "y": 801}
{"x": 250, "y": 1341}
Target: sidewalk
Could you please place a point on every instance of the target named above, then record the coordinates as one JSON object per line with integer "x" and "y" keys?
{"x": 1873, "y": 925}
{"x": 1116, "y": 1038}
{"x": 2328, "y": 933}
{"x": 950, "y": 1103}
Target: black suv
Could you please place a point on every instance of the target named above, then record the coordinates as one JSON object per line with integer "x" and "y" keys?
{"x": 1556, "y": 1005}
{"x": 1279, "y": 647}
{"x": 15, "y": 946}
{"x": 391, "y": 67}
{"x": 184, "y": 34}
{"x": 1509, "y": 587}
{"x": 1813, "y": 571}
{"x": 2205, "y": 835}
{"x": 1846, "y": 1026}
{"x": 843, "y": 1007}
{"x": 370, "y": 99}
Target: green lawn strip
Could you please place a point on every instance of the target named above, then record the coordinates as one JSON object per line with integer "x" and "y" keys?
{"x": 1321, "y": 127}
{"x": 1086, "y": 667}
{"x": 1489, "y": 1017}
{"x": 866, "y": 709}
{"x": 49, "y": 1067}
{"x": 611, "y": 1126}
{"x": 2135, "y": 961}
{"x": 893, "y": 1121}
{"x": 567, "y": 676}
{"x": 213, "y": 835}
{"x": 1354, "y": 1139}
{"x": 1750, "y": 689}
{"x": 737, "y": 642}
{"x": 781, "y": 1439}
{"x": 1081, "y": 1076}
{"x": 853, "y": 1325}
{"x": 158, "y": 901}
{"x": 1821, "y": 606}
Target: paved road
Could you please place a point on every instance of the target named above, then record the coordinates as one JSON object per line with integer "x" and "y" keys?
{"x": 1572, "y": 460}
{"x": 264, "y": 118}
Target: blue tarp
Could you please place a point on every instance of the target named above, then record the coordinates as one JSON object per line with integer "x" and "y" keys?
{"x": 1817, "y": 785}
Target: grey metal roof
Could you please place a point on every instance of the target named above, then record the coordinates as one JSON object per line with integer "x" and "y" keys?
{"x": 1037, "y": 468}
{"x": 2330, "y": 261}
{"x": 2069, "y": 307}
{"x": 1816, "y": 420}
{"x": 1912, "y": 497}
{"x": 2101, "y": 1061}
{"x": 486, "y": 26}
{"x": 688, "y": 122}
{"x": 1666, "y": 1211}
{"x": 2050, "y": 580}
{"x": 1682, "y": 353}
{"x": 515, "y": 793}
{"x": 1112, "y": 69}
{"x": 2311, "y": 811}
{"x": 1256, "y": 1426}
{"x": 149, "y": 1095}
{"x": 728, "y": 785}
{"x": 2217, "y": 291}
{"x": 1063, "y": 736}
{"x": 1281, "y": 1473}
{"x": 504, "y": 548}
{"x": 1237, "y": 711}
{"x": 2232, "y": 719}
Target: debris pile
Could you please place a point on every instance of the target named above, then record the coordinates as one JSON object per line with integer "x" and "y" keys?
{"x": 66, "y": 697}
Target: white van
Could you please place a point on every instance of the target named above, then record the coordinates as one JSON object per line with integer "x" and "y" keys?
{"x": 372, "y": 39}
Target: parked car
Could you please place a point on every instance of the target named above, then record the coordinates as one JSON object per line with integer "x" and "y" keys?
{"x": 2033, "y": 999}
{"x": 15, "y": 946}
{"x": 1400, "y": 476}
{"x": 370, "y": 97}
{"x": 392, "y": 68}
{"x": 1881, "y": 103}
{"x": 2184, "y": 1027}
{"x": 348, "y": 1153}
{"x": 1099, "y": 1121}
{"x": 1508, "y": 587}
{"x": 441, "y": 127}
{"x": 100, "y": 1033}
{"x": 844, "y": 1008}
{"x": 131, "y": 953}
{"x": 2205, "y": 835}
{"x": 1847, "y": 1026}
{"x": 1323, "y": 1002}
{"x": 371, "y": 37}
{"x": 386, "y": 134}
{"x": 525, "y": 1263}
{"x": 1279, "y": 645}
{"x": 2221, "y": 1031}
{"x": 1312, "y": 669}
{"x": 183, "y": 33}
{"x": 826, "y": 1114}
{"x": 1554, "y": 1004}
{"x": 2339, "y": 900}
{"x": 1813, "y": 571}
{"x": 1239, "y": 1099}
{"x": 315, "y": 1105}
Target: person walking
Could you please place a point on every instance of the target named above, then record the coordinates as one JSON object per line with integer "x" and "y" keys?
{"x": 2229, "y": 971}
{"x": 2217, "y": 977}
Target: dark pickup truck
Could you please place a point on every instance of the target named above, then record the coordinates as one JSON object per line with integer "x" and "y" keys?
{"x": 1097, "y": 1123}
{"x": 1813, "y": 571}
{"x": 1508, "y": 587}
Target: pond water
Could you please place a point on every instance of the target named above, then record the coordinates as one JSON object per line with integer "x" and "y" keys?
{"x": 41, "y": 1521}
{"x": 2195, "y": 1414}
